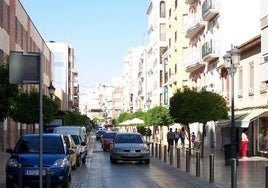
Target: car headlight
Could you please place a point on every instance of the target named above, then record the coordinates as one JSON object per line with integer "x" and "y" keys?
{"x": 145, "y": 150}
{"x": 13, "y": 162}
{"x": 60, "y": 163}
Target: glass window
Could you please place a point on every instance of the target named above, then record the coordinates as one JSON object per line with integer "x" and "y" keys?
{"x": 162, "y": 9}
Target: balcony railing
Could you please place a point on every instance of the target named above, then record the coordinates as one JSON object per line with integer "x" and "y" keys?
{"x": 193, "y": 61}
{"x": 263, "y": 88}
{"x": 194, "y": 24}
{"x": 210, "y": 8}
{"x": 250, "y": 91}
{"x": 210, "y": 51}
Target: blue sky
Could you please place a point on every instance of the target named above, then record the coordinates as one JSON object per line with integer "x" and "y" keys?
{"x": 100, "y": 31}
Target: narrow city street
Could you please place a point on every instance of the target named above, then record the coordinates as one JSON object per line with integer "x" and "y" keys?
{"x": 99, "y": 172}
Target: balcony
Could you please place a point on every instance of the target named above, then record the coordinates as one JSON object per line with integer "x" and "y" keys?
{"x": 250, "y": 91}
{"x": 240, "y": 93}
{"x": 193, "y": 61}
{"x": 263, "y": 88}
{"x": 210, "y": 9}
{"x": 194, "y": 25}
{"x": 210, "y": 51}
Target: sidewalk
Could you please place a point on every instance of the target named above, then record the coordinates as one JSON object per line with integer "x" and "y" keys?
{"x": 250, "y": 171}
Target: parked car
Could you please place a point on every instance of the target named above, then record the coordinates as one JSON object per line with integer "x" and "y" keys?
{"x": 107, "y": 140}
{"x": 26, "y": 153}
{"x": 72, "y": 130}
{"x": 70, "y": 144}
{"x": 99, "y": 134}
{"x": 129, "y": 147}
{"x": 79, "y": 136}
{"x": 81, "y": 150}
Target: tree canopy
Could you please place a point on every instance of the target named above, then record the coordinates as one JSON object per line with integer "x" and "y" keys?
{"x": 27, "y": 109}
{"x": 158, "y": 115}
{"x": 8, "y": 93}
{"x": 191, "y": 106}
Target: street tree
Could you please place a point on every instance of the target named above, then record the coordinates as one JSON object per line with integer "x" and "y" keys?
{"x": 191, "y": 106}
{"x": 158, "y": 116}
{"x": 26, "y": 109}
{"x": 8, "y": 93}
{"x": 74, "y": 118}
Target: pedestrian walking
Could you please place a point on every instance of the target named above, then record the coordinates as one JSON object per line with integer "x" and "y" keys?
{"x": 170, "y": 138}
{"x": 177, "y": 137}
{"x": 193, "y": 138}
{"x": 244, "y": 143}
{"x": 182, "y": 136}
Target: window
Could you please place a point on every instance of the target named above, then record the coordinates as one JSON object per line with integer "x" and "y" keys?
{"x": 162, "y": 9}
{"x": 162, "y": 32}
{"x": 251, "y": 75}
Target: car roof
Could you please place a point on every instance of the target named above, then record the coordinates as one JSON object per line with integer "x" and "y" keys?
{"x": 44, "y": 135}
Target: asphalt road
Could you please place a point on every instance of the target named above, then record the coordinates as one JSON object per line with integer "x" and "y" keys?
{"x": 99, "y": 172}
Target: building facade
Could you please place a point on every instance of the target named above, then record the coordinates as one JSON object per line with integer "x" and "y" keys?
{"x": 65, "y": 75}
{"x": 18, "y": 33}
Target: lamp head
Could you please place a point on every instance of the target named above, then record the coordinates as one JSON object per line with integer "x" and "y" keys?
{"x": 235, "y": 53}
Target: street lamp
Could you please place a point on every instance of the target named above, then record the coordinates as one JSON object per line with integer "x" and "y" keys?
{"x": 231, "y": 61}
{"x": 51, "y": 90}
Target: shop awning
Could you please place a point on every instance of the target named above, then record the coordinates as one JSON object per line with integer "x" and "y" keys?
{"x": 243, "y": 118}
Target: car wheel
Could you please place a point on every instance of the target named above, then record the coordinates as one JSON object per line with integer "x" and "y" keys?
{"x": 9, "y": 184}
{"x": 64, "y": 185}
{"x": 74, "y": 167}
{"x": 78, "y": 161}
{"x": 84, "y": 160}
{"x": 113, "y": 161}
{"x": 147, "y": 161}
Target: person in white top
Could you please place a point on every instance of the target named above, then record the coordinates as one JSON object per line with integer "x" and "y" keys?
{"x": 244, "y": 143}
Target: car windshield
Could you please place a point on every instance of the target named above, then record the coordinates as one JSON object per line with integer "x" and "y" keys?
{"x": 110, "y": 135}
{"x": 51, "y": 145}
{"x": 129, "y": 138}
{"x": 76, "y": 139}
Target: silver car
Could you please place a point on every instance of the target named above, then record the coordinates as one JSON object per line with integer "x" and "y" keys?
{"x": 129, "y": 147}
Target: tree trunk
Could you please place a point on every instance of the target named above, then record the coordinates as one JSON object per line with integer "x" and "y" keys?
{"x": 202, "y": 141}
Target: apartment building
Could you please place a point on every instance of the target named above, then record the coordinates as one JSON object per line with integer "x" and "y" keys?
{"x": 157, "y": 28}
{"x": 134, "y": 80}
{"x": 175, "y": 77}
{"x": 66, "y": 76}
{"x": 18, "y": 33}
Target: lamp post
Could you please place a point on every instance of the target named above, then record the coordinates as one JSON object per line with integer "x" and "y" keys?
{"x": 51, "y": 90}
{"x": 231, "y": 61}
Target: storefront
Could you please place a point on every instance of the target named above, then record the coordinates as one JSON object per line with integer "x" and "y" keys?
{"x": 256, "y": 121}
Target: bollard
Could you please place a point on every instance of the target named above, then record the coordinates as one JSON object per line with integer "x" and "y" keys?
{"x": 233, "y": 173}
{"x": 266, "y": 176}
{"x": 160, "y": 152}
{"x": 187, "y": 160}
{"x": 211, "y": 168}
{"x": 47, "y": 178}
{"x": 152, "y": 149}
{"x": 165, "y": 153}
{"x": 19, "y": 175}
{"x": 171, "y": 155}
{"x": 178, "y": 158}
{"x": 156, "y": 150}
{"x": 197, "y": 164}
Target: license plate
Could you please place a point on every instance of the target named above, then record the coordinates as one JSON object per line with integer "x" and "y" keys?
{"x": 34, "y": 172}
